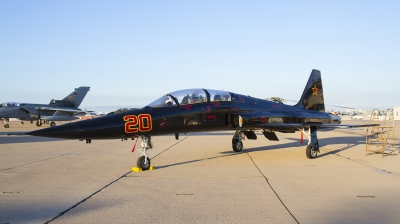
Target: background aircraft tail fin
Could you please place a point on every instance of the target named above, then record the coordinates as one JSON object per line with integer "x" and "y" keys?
{"x": 313, "y": 95}
{"x": 73, "y": 99}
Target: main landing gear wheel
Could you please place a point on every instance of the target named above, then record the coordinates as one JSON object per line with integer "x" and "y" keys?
{"x": 310, "y": 152}
{"x": 142, "y": 163}
{"x": 237, "y": 145}
{"x": 52, "y": 124}
{"x": 38, "y": 123}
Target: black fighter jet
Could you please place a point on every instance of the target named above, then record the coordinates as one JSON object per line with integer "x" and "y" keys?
{"x": 197, "y": 110}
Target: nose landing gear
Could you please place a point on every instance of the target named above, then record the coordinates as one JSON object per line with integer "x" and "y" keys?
{"x": 6, "y": 125}
{"x": 144, "y": 161}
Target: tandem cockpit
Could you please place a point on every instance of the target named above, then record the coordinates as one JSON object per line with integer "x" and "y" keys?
{"x": 191, "y": 96}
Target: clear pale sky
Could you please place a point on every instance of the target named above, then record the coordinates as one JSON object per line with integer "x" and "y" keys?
{"x": 132, "y": 52}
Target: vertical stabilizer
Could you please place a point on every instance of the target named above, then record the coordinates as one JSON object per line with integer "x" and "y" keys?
{"x": 313, "y": 95}
{"x": 73, "y": 99}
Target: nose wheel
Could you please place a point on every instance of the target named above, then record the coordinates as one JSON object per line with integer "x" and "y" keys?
{"x": 144, "y": 161}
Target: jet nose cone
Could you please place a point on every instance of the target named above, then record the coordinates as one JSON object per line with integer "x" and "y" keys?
{"x": 62, "y": 131}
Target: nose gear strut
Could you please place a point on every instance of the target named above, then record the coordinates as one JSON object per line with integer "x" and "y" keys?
{"x": 144, "y": 161}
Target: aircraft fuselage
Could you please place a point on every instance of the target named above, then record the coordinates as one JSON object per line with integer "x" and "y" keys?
{"x": 242, "y": 112}
{"x": 25, "y": 112}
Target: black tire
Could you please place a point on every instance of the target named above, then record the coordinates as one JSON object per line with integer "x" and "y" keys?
{"x": 311, "y": 153}
{"x": 38, "y": 123}
{"x": 52, "y": 124}
{"x": 237, "y": 145}
{"x": 6, "y": 126}
{"x": 141, "y": 164}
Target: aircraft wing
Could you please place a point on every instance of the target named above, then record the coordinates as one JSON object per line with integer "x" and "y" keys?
{"x": 276, "y": 121}
{"x": 60, "y": 109}
{"x": 305, "y": 125}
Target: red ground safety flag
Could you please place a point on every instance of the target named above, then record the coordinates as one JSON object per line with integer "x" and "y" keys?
{"x": 134, "y": 146}
{"x": 301, "y": 137}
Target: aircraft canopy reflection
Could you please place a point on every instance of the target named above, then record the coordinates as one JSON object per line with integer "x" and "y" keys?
{"x": 191, "y": 96}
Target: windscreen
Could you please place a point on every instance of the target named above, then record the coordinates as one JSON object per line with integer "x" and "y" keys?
{"x": 164, "y": 101}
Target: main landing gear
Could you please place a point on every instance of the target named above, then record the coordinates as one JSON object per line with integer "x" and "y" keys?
{"x": 312, "y": 149}
{"x": 40, "y": 122}
{"x": 144, "y": 161}
{"x": 237, "y": 144}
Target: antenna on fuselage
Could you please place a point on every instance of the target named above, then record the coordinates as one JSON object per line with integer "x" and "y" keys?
{"x": 276, "y": 99}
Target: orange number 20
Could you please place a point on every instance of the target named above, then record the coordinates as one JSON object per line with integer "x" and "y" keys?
{"x": 142, "y": 120}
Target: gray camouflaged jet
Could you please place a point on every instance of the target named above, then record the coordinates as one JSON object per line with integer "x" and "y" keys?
{"x": 57, "y": 110}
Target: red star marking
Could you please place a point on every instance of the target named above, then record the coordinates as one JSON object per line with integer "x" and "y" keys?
{"x": 162, "y": 123}
{"x": 315, "y": 90}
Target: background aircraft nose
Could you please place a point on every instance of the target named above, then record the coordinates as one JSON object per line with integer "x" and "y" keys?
{"x": 62, "y": 131}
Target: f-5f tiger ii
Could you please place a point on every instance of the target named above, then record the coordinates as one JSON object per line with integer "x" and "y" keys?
{"x": 57, "y": 110}
{"x": 198, "y": 110}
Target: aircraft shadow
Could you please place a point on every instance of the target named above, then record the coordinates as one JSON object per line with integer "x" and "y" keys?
{"x": 197, "y": 160}
{"x": 350, "y": 141}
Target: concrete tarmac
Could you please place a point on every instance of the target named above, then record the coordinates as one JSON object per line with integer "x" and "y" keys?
{"x": 198, "y": 179}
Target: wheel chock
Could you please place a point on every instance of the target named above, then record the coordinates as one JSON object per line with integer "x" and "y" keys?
{"x": 136, "y": 169}
{"x": 152, "y": 168}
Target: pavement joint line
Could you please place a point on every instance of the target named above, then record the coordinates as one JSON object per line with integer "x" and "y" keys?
{"x": 359, "y": 162}
{"x": 109, "y": 184}
{"x": 53, "y": 157}
{"x": 334, "y": 152}
{"x": 196, "y": 160}
{"x": 269, "y": 184}
{"x": 171, "y": 146}
{"x": 88, "y": 197}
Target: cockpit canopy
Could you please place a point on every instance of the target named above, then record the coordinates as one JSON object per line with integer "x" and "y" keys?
{"x": 10, "y": 104}
{"x": 191, "y": 96}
